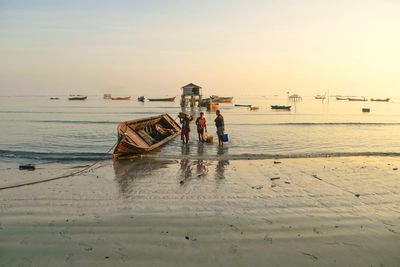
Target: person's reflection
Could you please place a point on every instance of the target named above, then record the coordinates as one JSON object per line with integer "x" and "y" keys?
{"x": 186, "y": 169}
{"x": 221, "y": 165}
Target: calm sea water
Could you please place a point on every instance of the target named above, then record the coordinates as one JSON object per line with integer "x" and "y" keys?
{"x": 39, "y": 130}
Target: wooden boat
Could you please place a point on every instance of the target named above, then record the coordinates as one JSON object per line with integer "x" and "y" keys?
{"x": 243, "y": 105}
{"x": 167, "y": 99}
{"x": 140, "y": 99}
{"x": 281, "y": 107}
{"x": 121, "y": 98}
{"x": 380, "y": 100}
{"x": 54, "y": 98}
{"x": 357, "y": 99}
{"x": 320, "y": 97}
{"x": 221, "y": 99}
{"x": 77, "y": 97}
{"x": 144, "y": 135}
{"x": 342, "y": 98}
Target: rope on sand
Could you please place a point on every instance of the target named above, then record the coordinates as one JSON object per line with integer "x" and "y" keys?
{"x": 56, "y": 178}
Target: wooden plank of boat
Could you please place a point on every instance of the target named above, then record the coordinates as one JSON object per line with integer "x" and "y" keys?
{"x": 77, "y": 98}
{"x": 380, "y": 100}
{"x": 144, "y": 135}
{"x": 167, "y": 99}
{"x": 121, "y": 98}
{"x": 281, "y": 107}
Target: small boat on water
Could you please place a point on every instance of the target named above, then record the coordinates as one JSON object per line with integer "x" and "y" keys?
{"x": 380, "y": 100}
{"x": 144, "y": 135}
{"x": 357, "y": 99}
{"x": 54, "y": 98}
{"x": 167, "y": 99}
{"x": 320, "y": 97}
{"x": 141, "y": 99}
{"x": 281, "y": 107}
{"x": 342, "y": 98}
{"x": 222, "y": 99}
{"x": 121, "y": 98}
{"x": 243, "y": 105}
{"x": 77, "y": 97}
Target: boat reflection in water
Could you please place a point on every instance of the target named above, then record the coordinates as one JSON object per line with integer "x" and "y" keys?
{"x": 135, "y": 174}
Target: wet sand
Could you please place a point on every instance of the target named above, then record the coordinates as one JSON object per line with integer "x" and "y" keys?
{"x": 197, "y": 212}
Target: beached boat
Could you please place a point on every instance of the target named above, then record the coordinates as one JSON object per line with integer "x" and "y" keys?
{"x": 243, "y": 105}
{"x": 167, "y": 99}
{"x": 144, "y": 135}
{"x": 78, "y": 97}
{"x": 281, "y": 107}
{"x": 357, "y": 99}
{"x": 380, "y": 100}
{"x": 121, "y": 98}
{"x": 140, "y": 99}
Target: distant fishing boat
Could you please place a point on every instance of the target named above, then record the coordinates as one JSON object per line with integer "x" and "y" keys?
{"x": 281, "y": 107}
{"x": 342, "y": 98}
{"x": 243, "y": 105}
{"x": 380, "y": 100}
{"x": 321, "y": 97}
{"x": 121, "y": 98}
{"x": 77, "y": 97}
{"x": 144, "y": 135}
{"x": 54, "y": 98}
{"x": 167, "y": 99}
{"x": 222, "y": 99}
{"x": 140, "y": 98}
{"x": 357, "y": 99}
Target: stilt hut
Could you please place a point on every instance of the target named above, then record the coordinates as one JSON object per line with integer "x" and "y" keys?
{"x": 191, "y": 95}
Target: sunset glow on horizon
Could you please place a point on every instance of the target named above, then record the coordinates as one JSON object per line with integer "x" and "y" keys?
{"x": 229, "y": 47}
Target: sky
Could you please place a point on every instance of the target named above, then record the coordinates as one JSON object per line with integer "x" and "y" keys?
{"x": 229, "y": 47}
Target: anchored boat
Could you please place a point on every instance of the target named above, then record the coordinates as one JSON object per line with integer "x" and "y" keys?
{"x": 281, "y": 107}
{"x": 167, "y": 99}
{"x": 380, "y": 100}
{"x": 121, "y": 98}
{"x": 77, "y": 97}
{"x": 143, "y": 135}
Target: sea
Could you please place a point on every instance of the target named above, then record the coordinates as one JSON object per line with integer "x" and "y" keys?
{"x": 37, "y": 130}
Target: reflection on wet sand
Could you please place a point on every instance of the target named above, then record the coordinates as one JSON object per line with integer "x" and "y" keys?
{"x": 221, "y": 165}
{"x": 129, "y": 171}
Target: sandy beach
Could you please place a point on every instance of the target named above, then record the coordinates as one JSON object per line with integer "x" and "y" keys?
{"x": 195, "y": 212}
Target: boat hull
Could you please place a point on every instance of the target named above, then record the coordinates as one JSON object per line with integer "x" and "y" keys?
{"x": 168, "y": 99}
{"x": 144, "y": 135}
{"x": 78, "y": 98}
{"x": 281, "y": 107}
{"x": 121, "y": 98}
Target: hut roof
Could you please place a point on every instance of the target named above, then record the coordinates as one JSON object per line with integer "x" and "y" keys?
{"x": 191, "y": 85}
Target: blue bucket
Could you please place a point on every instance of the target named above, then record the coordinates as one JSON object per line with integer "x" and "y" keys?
{"x": 225, "y": 138}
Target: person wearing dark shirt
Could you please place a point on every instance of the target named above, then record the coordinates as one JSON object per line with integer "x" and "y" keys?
{"x": 185, "y": 121}
{"x": 201, "y": 126}
{"x": 220, "y": 124}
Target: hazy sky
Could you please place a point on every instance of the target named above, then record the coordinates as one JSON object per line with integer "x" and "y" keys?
{"x": 229, "y": 47}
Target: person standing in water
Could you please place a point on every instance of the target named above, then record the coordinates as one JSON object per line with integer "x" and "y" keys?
{"x": 220, "y": 124}
{"x": 185, "y": 121}
{"x": 201, "y": 126}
